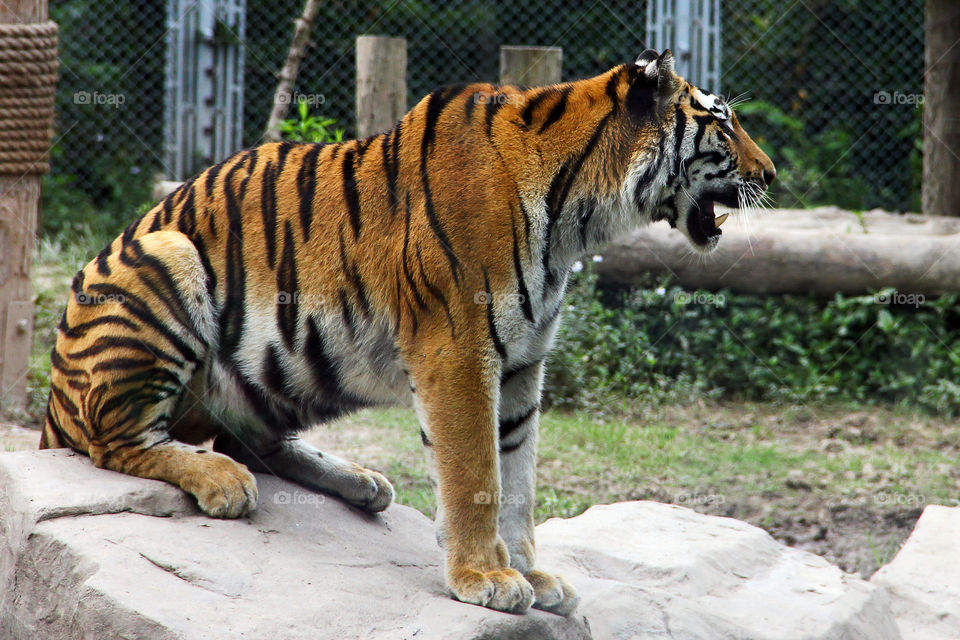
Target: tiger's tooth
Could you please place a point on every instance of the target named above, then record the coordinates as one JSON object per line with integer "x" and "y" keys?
{"x": 720, "y": 219}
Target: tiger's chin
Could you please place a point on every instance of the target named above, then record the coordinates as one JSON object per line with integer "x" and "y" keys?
{"x": 702, "y": 226}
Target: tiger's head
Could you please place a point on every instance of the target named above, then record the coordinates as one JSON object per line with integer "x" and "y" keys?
{"x": 702, "y": 156}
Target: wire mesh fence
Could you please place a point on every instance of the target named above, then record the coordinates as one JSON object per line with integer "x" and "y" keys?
{"x": 834, "y": 85}
{"x": 837, "y": 89}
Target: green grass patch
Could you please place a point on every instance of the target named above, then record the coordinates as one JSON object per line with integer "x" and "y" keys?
{"x": 685, "y": 458}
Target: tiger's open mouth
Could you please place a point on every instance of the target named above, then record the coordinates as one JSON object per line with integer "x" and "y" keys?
{"x": 703, "y": 224}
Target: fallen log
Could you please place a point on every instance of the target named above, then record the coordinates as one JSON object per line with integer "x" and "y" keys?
{"x": 822, "y": 251}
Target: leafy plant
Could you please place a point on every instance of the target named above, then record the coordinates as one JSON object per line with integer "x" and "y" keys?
{"x": 307, "y": 127}
{"x": 664, "y": 344}
{"x": 811, "y": 169}
{"x": 105, "y": 198}
{"x": 805, "y": 64}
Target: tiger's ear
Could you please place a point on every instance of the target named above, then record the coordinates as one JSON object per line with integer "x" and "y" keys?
{"x": 667, "y": 81}
{"x": 646, "y": 58}
{"x": 652, "y": 91}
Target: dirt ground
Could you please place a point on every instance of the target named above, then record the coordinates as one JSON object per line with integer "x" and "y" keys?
{"x": 15, "y": 438}
{"x": 856, "y": 518}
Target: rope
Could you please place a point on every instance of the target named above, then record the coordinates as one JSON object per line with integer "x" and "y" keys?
{"x": 28, "y": 102}
{"x": 25, "y": 134}
{"x": 28, "y": 80}
{"x": 17, "y": 125}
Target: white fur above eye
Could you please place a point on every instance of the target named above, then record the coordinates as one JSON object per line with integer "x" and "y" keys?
{"x": 713, "y": 104}
{"x": 720, "y": 109}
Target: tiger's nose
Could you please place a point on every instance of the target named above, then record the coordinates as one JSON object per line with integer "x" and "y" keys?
{"x": 769, "y": 175}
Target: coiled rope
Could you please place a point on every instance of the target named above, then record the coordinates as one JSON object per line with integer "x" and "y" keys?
{"x": 28, "y": 80}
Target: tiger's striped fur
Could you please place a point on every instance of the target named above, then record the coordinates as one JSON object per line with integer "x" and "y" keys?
{"x": 425, "y": 265}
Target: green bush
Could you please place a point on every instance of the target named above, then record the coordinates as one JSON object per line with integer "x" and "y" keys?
{"x": 105, "y": 157}
{"x": 665, "y": 343}
{"x": 821, "y": 62}
{"x": 811, "y": 169}
{"x": 71, "y": 206}
{"x": 307, "y": 127}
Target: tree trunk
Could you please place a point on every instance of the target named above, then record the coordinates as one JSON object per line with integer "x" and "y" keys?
{"x": 941, "y": 109}
{"x": 19, "y": 208}
{"x": 288, "y": 74}
{"x": 822, "y": 251}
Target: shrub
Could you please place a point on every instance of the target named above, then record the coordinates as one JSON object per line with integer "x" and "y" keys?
{"x": 307, "y": 127}
{"x": 665, "y": 343}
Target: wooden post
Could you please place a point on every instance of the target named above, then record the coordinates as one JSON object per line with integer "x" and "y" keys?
{"x": 941, "y": 109}
{"x": 19, "y": 207}
{"x": 530, "y": 66}
{"x": 381, "y": 83}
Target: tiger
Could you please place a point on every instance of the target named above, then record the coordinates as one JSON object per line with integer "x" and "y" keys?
{"x": 294, "y": 283}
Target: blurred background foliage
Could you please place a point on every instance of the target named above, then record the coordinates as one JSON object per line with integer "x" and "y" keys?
{"x": 659, "y": 343}
{"x": 105, "y": 157}
{"x": 814, "y": 70}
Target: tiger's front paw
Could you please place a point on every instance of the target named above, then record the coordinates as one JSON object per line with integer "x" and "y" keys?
{"x": 552, "y": 593}
{"x": 500, "y": 589}
{"x": 381, "y": 495}
{"x": 223, "y": 488}
{"x": 366, "y": 489}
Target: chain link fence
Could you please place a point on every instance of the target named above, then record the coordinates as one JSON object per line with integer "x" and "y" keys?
{"x": 834, "y": 86}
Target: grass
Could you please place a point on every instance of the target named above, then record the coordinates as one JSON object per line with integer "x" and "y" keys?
{"x": 777, "y": 469}
{"x": 843, "y": 481}
{"x": 881, "y": 556}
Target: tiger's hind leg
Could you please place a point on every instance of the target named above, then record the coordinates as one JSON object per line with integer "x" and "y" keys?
{"x": 291, "y": 458}
{"x": 137, "y": 331}
{"x": 518, "y": 426}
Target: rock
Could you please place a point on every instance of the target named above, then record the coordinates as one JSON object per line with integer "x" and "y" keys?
{"x": 89, "y": 553}
{"x": 84, "y": 559}
{"x": 924, "y": 578}
{"x": 649, "y": 570}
